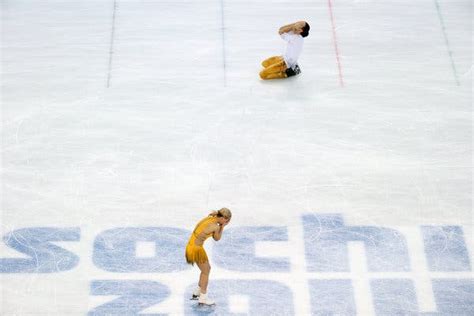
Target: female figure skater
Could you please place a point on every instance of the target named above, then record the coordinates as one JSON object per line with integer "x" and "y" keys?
{"x": 213, "y": 225}
{"x": 286, "y": 65}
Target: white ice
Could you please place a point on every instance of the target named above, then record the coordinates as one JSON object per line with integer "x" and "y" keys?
{"x": 150, "y": 113}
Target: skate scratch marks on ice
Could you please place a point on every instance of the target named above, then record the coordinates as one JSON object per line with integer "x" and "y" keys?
{"x": 224, "y": 62}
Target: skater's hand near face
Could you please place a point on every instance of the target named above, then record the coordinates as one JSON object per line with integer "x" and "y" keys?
{"x": 296, "y": 28}
{"x": 224, "y": 222}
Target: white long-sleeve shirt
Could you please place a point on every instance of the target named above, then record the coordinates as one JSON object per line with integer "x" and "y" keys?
{"x": 294, "y": 47}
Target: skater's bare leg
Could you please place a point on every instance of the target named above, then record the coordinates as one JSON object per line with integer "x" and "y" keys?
{"x": 269, "y": 61}
{"x": 204, "y": 277}
{"x": 203, "y": 281}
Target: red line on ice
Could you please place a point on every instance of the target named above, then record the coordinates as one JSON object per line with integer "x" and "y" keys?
{"x": 336, "y": 48}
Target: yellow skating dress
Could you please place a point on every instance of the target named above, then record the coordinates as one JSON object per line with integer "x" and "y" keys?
{"x": 196, "y": 253}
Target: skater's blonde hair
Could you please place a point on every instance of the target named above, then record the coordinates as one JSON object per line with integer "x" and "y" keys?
{"x": 223, "y": 212}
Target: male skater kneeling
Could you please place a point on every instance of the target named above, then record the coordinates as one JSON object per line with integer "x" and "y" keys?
{"x": 286, "y": 66}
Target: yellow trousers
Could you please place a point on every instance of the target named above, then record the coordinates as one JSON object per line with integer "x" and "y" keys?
{"x": 274, "y": 68}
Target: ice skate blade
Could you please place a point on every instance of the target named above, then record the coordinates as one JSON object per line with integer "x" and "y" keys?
{"x": 204, "y": 304}
{"x": 194, "y": 298}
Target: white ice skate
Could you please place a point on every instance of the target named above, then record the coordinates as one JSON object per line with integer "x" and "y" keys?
{"x": 205, "y": 301}
{"x": 196, "y": 293}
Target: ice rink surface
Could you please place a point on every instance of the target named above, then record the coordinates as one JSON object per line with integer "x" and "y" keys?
{"x": 125, "y": 122}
